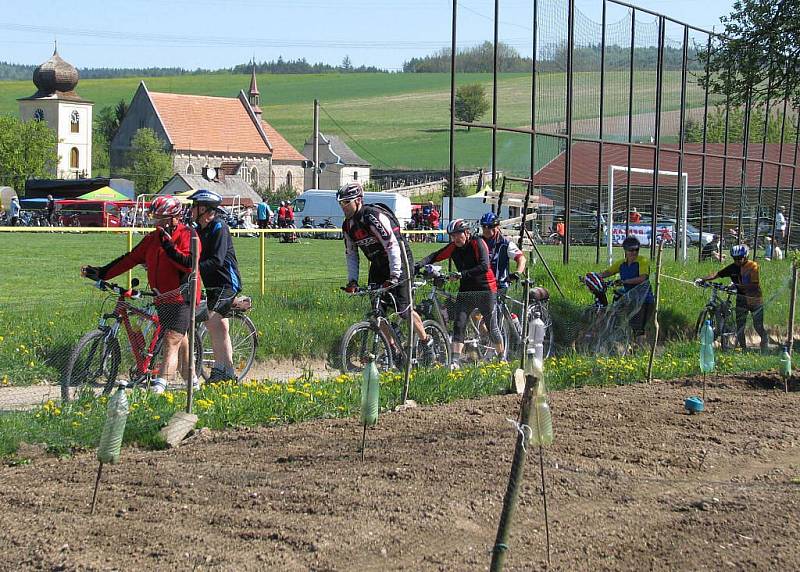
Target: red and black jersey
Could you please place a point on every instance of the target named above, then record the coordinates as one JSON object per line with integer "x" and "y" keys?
{"x": 472, "y": 260}
{"x": 377, "y": 234}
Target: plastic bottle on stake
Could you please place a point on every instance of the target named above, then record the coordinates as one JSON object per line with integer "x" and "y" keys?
{"x": 542, "y": 426}
{"x": 707, "y": 348}
{"x": 786, "y": 363}
{"x": 536, "y": 336}
{"x": 370, "y": 394}
{"x": 114, "y": 428}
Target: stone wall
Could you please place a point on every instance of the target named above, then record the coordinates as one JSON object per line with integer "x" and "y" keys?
{"x": 438, "y": 186}
{"x": 281, "y": 170}
{"x": 181, "y": 162}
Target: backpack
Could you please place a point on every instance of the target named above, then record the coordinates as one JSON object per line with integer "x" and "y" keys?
{"x": 385, "y": 209}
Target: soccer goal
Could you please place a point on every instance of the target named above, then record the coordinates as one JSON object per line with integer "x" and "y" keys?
{"x": 682, "y": 201}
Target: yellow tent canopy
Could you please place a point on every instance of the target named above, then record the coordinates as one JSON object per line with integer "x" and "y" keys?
{"x": 104, "y": 194}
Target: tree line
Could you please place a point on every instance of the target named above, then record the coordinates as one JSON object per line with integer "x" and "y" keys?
{"x": 11, "y": 71}
{"x": 480, "y": 59}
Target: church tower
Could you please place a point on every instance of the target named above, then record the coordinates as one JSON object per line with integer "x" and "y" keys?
{"x": 253, "y": 96}
{"x": 65, "y": 112}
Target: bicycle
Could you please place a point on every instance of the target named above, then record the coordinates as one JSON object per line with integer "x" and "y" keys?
{"x": 96, "y": 359}
{"x": 511, "y": 326}
{"x": 719, "y": 309}
{"x": 607, "y": 329}
{"x": 369, "y": 338}
{"x": 242, "y": 332}
{"x": 477, "y": 345}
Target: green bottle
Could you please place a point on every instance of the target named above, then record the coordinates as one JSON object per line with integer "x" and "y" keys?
{"x": 786, "y": 363}
{"x": 114, "y": 428}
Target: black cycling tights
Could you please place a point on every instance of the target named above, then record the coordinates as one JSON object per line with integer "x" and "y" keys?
{"x": 485, "y": 302}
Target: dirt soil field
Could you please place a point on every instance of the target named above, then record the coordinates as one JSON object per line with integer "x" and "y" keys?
{"x": 633, "y": 482}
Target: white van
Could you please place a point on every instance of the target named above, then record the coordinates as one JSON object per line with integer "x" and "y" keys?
{"x": 320, "y": 205}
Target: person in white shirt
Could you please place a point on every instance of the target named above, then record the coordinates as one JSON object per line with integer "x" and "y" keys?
{"x": 780, "y": 224}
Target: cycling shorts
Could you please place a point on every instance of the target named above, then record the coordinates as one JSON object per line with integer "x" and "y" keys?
{"x": 174, "y": 317}
{"x": 220, "y": 300}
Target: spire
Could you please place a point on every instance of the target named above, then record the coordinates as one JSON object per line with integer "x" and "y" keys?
{"x": 254, "y": 97}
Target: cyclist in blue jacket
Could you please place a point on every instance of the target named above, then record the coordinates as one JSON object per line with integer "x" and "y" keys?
{"x": 219, "y": 270}
{"x": 501, "y": 251}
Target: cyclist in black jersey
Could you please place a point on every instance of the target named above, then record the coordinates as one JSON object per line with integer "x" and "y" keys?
{"x": 376, "y": 231}
{"x": 478, "y": 288}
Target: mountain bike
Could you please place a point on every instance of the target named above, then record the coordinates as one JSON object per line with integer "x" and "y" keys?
{"x": 719, "y": 309}
{"x": 97, "y": 358}
{"x": 383, "y": 336}
{"x": 242, "y": 332}
{"x": 510, "y": 311}
{"x": 437, "y": 307}
{"x": 606, "y": 328}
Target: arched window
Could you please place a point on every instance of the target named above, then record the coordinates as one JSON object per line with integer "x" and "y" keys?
{"x": 189, "y": 169}
{"x": 272, "y": 181}
{"x": 75, "y": 122}
{"x": 73, "y": 158}
{"x": 254, "y": 177}
{"x": 289, "y": 179}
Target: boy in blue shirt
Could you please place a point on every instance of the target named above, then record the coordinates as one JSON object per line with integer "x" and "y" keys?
{"x": 634, "y": 270}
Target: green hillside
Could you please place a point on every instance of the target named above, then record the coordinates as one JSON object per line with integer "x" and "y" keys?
{"x": 398, "y": 120}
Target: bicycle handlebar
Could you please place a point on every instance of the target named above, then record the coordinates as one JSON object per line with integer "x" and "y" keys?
{"x": 374, "y": 289}
{"x": 728, "y": 288}
{"x": 121, "y": 291}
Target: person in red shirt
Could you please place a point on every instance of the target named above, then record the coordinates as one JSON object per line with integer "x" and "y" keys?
{"x": 560, "y": 231}
{"x": 282, "y": 215}
{"x": 433, "y": 216}
{"x": 166, "y": 254}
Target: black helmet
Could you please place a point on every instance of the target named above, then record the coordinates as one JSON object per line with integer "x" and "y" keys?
{"x": 630, "y": 243}
{"x": 350, "y": 191}
{"x": 206, "y": 198}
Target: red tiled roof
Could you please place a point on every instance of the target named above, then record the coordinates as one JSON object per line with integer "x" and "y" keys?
{"x": 281, "y": 149}
{"x": 203, "y": 123}
{"x": 585, "y": 163}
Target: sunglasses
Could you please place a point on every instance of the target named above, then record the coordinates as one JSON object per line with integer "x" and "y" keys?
{"x": 631, "y": 250}
{"x": 345, "y": 202}
{"x": 738, "y": 258}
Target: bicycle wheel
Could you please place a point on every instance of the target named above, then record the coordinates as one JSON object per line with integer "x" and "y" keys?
{"x": 441, "y": 345}
{"x": 92, "y": 365}
{"x": 361, "y": 340}
{"x": 726, "y": 324}
{"x": 478, "y": 346}
{"x": 244, "y": 341}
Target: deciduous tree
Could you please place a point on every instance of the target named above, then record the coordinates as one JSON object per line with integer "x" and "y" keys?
{"x": 471, "y": 102}
{"x": 150, "y": 165}
{"x": 27, "y": 150}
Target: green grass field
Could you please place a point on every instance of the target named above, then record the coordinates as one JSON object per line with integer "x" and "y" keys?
{"x": 402, "y": 120}
{"x": 45, "y": 306}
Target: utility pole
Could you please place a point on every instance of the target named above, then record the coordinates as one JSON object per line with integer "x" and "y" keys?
{"x": 315, "y": 157}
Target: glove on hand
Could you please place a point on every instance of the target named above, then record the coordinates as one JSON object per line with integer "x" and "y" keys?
{"x": 91, "y": 272}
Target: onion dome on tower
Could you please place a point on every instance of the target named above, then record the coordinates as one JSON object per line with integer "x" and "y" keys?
{"x": 56, "y": 76}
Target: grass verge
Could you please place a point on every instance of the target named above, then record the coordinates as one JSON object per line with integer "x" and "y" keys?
{"x": 76, "y": 426}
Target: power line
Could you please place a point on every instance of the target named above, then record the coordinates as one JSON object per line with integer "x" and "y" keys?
{"x": 356, "y": 141}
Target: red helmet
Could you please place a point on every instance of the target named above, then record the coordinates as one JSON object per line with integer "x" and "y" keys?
{"x": 594, "y": 283}
{"x": 166, "y": 206}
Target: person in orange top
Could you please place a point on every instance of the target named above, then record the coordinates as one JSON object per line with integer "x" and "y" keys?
{"x": 560, "y": 231}
{"x": 744, "y": 274}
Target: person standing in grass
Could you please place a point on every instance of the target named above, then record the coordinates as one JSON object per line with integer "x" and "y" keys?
{"x": 166, "y": 254}
{"x": 219, "y": 270}
{"x": 744, "y": 274}
{"x": 478, "y": 287}
{"x": 633, "y": 271}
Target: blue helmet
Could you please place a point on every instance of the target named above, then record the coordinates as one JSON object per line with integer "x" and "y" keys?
{"x": 490, "y": 219}
{"x": 206, "y": 198}
{"x": 739, "y": 251}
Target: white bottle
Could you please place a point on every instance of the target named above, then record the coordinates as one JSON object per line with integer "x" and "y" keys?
{"x": 536, "y": 337}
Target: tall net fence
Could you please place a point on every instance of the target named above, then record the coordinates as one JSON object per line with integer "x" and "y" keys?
{"x": 616, "y": 88}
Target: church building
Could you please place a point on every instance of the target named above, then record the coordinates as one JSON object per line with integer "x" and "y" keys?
{"x": 57, "y": 103}
{"x": 222, "y": 133}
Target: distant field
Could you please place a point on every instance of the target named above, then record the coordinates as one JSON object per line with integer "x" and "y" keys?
{"x": 400, "y": 120}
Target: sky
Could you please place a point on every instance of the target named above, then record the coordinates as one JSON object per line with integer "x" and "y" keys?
{"x": 215, "y": 34}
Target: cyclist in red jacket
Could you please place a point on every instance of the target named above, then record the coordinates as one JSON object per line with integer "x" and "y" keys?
{"x": 165, "y": 252}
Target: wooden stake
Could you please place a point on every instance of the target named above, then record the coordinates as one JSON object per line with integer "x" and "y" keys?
{"x": 514, "y": 480}
{"x": 655, "y": 315}
{"x": 363, "y": 442}
{"x": 96, "y": 486}
{"x": 790, "y": 332}
{"x": 544, "y": 502}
